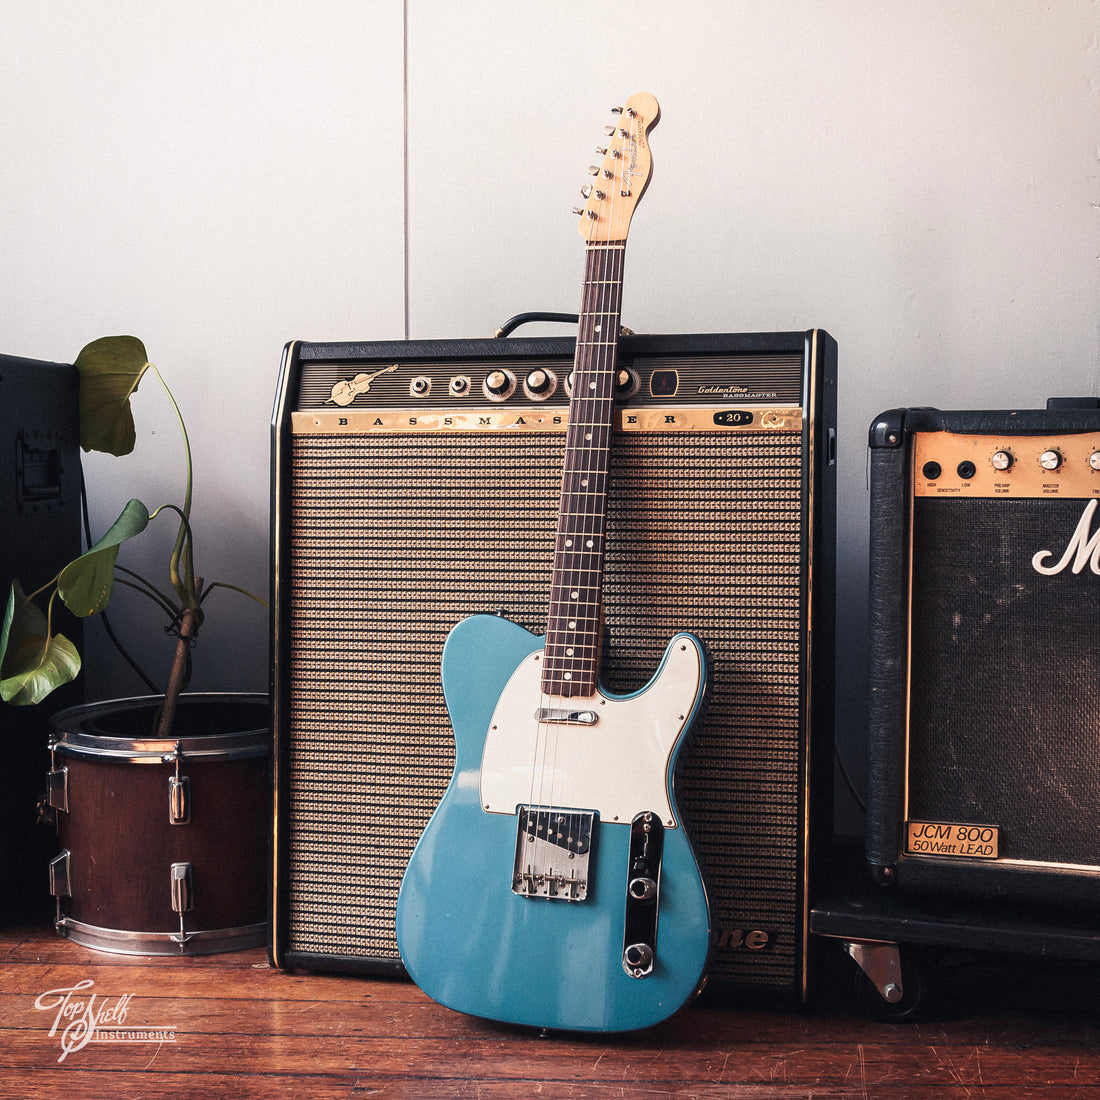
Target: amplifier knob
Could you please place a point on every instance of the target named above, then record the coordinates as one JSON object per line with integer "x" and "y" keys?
{"x": 626, "y": 383}
{"x": 1094, "y": 460}
{"x": 1050, "y": 460}
{"x": 539, "y": 384}
{"x": 499, "y": 384}
{"x": 1001, "y": 460}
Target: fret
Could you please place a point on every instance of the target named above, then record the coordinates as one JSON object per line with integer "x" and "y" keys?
{"x": 573, "y": 636}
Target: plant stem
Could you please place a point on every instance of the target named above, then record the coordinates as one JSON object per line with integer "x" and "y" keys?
{"x": 182, "y": 562}
{"x": 189, "y": 624}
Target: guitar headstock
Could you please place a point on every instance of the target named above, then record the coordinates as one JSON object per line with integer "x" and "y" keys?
{"x": 622, "y": 178}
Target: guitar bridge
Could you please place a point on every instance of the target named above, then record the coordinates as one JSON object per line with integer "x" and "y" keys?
{"x": 552, "y": 853}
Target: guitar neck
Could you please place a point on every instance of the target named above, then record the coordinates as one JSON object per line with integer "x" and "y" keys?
{"x": 575, "y": 625}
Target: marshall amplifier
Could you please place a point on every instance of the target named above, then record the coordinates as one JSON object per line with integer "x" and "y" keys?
{"x": 984, "y": 754}
{"x": 417, "y": 483}
{"x": 40, "y": 513}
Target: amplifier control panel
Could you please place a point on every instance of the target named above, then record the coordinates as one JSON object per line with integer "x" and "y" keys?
{"x": 1022, "y": 466}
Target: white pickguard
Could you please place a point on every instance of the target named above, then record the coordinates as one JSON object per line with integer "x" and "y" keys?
{"x": 617, "y": 766}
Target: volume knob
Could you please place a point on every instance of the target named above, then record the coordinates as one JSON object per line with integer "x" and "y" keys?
{"x": 1050, "y": 460}
{"x": 1001, "y": 460}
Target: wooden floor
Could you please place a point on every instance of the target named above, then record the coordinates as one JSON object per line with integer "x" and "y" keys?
{"x": 230, "y": 1025}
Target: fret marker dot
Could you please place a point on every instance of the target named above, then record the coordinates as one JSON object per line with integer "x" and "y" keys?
{"x": 574, "y": 595}
{"x": 569, "y": 653}
{"x": 591, "y": 542}
{"x": 572, "y": 626}
{"x": 568, "y": 542}
{"x": 569, "y": 676}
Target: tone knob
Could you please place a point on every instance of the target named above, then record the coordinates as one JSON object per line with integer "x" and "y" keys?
{"x": 1050, "y": 460}
{"x": 1001, "y": 460}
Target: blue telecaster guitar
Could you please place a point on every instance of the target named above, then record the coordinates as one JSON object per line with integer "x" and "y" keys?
{"x": 554, "y": 885}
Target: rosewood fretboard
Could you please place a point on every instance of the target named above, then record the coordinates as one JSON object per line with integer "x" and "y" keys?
{"x": 574, "y": 628}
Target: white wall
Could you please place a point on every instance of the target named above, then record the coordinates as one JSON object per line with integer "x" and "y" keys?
{"x": 921, "y": 179}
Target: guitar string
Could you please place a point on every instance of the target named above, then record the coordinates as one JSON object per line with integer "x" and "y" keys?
{"x": 579, "y": 570}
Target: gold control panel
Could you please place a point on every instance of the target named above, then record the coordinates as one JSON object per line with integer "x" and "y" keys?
{"x": 1031, "y": 466}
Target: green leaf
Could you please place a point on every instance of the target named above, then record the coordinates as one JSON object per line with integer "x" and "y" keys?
{"x": 110, "y": 370}
{"x": 87, "y": 583}
{"x": 5, "y": 626}
{"x": 32, "y": 664}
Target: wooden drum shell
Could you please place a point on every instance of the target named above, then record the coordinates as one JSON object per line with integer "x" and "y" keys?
{"x": 119, "y": 845}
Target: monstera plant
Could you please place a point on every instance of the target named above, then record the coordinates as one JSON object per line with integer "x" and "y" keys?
{"x": 34, "y": 660}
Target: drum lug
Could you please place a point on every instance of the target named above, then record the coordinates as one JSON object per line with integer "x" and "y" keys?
{"x": 183, "y": 898}
{"x": 57, "y": 789}
{"x": 179, "y": 800}
{"x": 183, "y": 888}
{"x": 60, "y": 884}
{"x": 179, "y": 791}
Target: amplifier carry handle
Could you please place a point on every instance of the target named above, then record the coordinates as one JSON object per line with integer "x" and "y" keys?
{"x": 538, "y": 315}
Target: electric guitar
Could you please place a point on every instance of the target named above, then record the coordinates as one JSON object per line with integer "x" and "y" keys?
{"x": 554, "y": 885}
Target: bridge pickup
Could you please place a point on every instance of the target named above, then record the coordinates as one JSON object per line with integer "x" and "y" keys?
{"x": 552, "y": 853}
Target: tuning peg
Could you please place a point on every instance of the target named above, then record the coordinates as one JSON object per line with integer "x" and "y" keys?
{"x": 609, "y": 130}
{"x": 601, "y": 150}
{"x": 586, "y": 191}
{"x": 616, "y": 110}
{"x": 593, "y": 170}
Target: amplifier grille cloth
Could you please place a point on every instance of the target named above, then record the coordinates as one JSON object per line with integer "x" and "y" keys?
{"x": 395, "y": 538}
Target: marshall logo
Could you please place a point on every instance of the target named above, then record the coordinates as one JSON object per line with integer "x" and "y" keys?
{"x": 1083, "y": 549}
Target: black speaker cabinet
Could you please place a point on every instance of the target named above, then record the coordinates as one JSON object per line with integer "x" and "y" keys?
{"x": 417, "y": 483}
{"x": 984, "y": 754}
{"x": 40, "y": 513}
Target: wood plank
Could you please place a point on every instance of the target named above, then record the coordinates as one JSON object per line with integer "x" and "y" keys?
{"x": 241, "y": 1028}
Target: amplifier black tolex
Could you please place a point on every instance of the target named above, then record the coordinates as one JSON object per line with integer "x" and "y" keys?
{"x": 984, "y": 759}
{"x": 40, "y": 513}
{"x": 417, "y": 483}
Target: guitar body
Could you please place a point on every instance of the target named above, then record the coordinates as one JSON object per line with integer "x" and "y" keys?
{"x": 466, "y": 936}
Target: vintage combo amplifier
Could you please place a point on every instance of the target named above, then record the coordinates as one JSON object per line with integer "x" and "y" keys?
{"x": 983, "y": 759}
{"x": 417, "y": 483}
